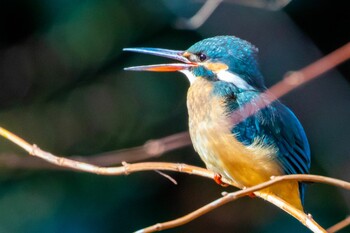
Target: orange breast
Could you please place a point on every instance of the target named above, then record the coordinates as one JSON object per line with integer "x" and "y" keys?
{"x": 210, "y": 131}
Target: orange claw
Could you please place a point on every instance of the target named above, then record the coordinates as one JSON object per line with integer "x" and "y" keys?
{"x": 251, "y": 195}
{"x": 218, "y": 180}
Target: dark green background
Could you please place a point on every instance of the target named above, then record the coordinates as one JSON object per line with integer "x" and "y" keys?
{"x": 62, "y": 86}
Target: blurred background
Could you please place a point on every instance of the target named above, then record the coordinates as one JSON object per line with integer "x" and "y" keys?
{"x": 62, "y": 86}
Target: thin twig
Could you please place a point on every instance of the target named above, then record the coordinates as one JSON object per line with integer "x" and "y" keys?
{"x": 151, "y": 149}
{"x": 126, "y": 169}
{"x": 340, "y": 225}
{"x": 310, "y": 72}
{"x": 209, "y": 6}
{"x": 171, "y": 179}
{"x": 291, "y": 82}
{"x": 301, "y": 216}
{"x": 200, "y": 17}
{"x": 232, "y": 197}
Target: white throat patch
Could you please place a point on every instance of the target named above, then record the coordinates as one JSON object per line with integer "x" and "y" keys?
{"x": 189, "y": 75}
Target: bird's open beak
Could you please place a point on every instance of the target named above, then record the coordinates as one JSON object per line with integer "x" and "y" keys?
{"x": 173, "y": 54}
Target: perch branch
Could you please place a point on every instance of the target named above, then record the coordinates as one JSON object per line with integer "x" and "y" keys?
{"x": 301, "y": 216}
{"x": 125, "y": 169}
{"x": 146, "y": 166}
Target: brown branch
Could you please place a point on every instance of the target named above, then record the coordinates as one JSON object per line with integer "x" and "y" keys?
{"x": 86, "y": 167}
{"x": 301, "y": 216}
{"x": 151, "y": 149}
{"x": 209, "y": 6}
{"x": 200, "y": 17}
{"x": 146, "y": 166}
{"x": 310, "y": 72}
{"x": 340, "y": 225}
{"x": 292, "y": 81}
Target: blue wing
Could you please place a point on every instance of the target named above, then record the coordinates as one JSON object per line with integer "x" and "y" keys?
{"x": 276, "y": 125}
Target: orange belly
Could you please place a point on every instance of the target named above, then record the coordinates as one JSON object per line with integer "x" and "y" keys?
{"x": 210, "y": 131}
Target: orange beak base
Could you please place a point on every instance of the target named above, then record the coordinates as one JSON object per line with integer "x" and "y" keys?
{"x": 172, "y": 54}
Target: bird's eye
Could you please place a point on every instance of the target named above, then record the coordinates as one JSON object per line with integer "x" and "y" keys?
{"x": 202, "y": 57}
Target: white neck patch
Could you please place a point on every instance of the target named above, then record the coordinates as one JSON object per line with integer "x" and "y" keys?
{"x": 227, "y": 76}
{"x": 223, "y": 75}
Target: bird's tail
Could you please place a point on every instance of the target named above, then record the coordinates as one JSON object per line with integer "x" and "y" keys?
{"x": 288, "y": 191}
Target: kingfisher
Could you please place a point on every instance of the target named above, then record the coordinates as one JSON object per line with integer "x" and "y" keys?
{"x": 267, "y": 141}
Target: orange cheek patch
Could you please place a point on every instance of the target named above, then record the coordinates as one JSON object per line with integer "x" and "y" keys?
{"x": 186, "y": 54}
{"x": 216, "y": 66}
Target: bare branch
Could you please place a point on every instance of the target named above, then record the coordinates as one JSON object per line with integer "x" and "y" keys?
{"x": 292, "y": 81}
{"x": 200, "y": 17}
{"x": 126, "y": 169}
{"x": 151, "y": 149}
{"x": 310, "y": 72}
{"x": 340, "y": 225}
{"x": 209, "y": 6}
{"x": 301, "y": 216}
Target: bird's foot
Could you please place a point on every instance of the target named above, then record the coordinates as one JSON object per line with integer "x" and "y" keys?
{"x": 218, "y": 180}
{"x": 251, "y": 195}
